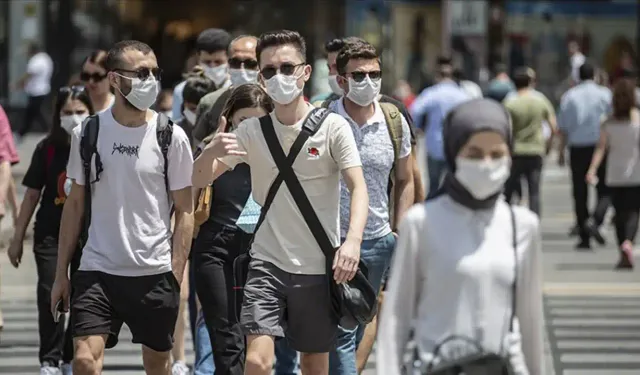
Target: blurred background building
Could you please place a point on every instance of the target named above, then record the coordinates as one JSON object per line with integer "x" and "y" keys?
{"x": 409, "y": 33}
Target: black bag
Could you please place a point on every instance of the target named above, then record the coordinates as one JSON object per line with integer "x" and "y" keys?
{"x": 89, "y": 149}
{"x": 241, "y": 263}
{"x": 354, "y": 302}
{"x": 479, "y": 362}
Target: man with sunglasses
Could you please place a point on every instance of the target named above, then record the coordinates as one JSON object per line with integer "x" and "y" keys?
{"x": 243, "y": 68}
{"x": 132, "y": 264}
{"x": 286, "y": 290}
{"x": 360, "y": 78}
{"x": 211, "y": 49}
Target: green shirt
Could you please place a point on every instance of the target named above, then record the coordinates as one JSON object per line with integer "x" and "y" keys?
{"x": 528, "y": 111}
{"x": 209, "y": 109}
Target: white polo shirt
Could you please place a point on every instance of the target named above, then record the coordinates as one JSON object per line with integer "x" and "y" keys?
{"x": 284, "y": 238}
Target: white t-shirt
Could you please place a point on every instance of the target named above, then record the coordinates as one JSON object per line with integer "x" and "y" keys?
{"x": 40, "y": 67}
{"x": 130, "y": 232}
{"x": 284, "y": 238}
{"x": 576, "y": 62}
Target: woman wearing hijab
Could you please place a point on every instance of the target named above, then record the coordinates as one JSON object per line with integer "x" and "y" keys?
{"x": 456, "y": 267}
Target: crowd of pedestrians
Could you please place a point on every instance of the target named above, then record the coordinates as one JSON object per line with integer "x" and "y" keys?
{"x": 239, "y": 208}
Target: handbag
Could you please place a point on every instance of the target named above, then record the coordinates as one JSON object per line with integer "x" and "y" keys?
{"x": 479, "y": 361}
{"x": 242, "y": 261}
{"x": 354, "y": 302}
{"x": 203, "y": 209}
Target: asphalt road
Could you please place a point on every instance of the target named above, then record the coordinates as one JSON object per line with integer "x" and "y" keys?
{"x": 592, "y": 312}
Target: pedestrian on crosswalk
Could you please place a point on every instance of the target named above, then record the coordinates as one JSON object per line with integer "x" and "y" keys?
{"x": 620, "y": 141}
{"x": 466, "y": 273}
{"x": 46, "y": 182}
{"x": 137, "y": 164}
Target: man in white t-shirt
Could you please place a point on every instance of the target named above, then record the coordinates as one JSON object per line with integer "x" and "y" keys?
{"x": 576, "y": 59}
{"x": 286, "y": 293}
{"x": 132, "y": 264}
{"x": 36, "y": 83}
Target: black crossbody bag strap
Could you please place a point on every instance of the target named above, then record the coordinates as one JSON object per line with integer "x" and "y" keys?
{"x": 514, "y": 286}
{"x": 266, "y": 122}
{"x": 310, "y": 126}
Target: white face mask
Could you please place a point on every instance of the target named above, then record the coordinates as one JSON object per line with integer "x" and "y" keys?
{"x": 335, "y": 87}
{"x": 283, "y": 89}
{"x": 68, "y": 123}
{"x": 242, "y": 76}
{"x": 190, "y": 116}
{"x": 143, "y": 93}
{"x": 483, "y": 178}
{"x": 365, "y": 92}
{"x": 218, "y": 74}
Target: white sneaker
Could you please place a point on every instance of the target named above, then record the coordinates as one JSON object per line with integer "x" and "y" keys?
{"x": 67, "y": 369}
{"x": 47, "y": 369}
{"x": 179, "y": 368}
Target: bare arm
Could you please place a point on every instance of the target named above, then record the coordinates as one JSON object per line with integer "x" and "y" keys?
{"x": 29, "y": 204}
{"x": 70, "y": 227}
{"x": 12, "y": 197}
{"x": 418, "y": 186}
{"x": 404, "y": 189}
{"x": 183, "y": 232}
{"x": 207, "y": 168}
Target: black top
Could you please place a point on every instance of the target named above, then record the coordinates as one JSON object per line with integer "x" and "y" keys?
{"x": 230, "y": 194}
{"x": 48, "y": 170}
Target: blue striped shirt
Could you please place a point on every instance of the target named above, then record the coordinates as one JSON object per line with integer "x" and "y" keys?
{"x": 582, "y": 109}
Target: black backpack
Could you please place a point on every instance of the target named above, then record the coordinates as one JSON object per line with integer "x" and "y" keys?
{"x": 89, "y": 149}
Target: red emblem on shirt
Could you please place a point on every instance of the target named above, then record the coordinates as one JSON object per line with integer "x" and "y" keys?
{"x": 313, "y": 152}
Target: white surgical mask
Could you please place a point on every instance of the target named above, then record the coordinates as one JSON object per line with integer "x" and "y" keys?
{"x": 143, "y": 93}
{"x": 240, "y": 77}
{"x": 365, "y": 92}
{"x": 218, "y": 74}
{"x": 283, "y": 89}
{"x": 482, "y": 178}
{"x": 335, "y": 87}
{"x": 68, "y": 123}
{"x": 190, "y": 116}
{"x": 67, "y": 186}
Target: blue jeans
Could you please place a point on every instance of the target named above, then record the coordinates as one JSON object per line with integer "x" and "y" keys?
{"x": 376, "y": 255}
{"x": 204, "y": 354}
{"x": 436, "y": 169}
{"x": 286, "y": 358}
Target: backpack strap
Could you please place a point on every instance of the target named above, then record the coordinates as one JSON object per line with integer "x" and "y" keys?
{"x": 393, "y": 118}
{"x": 164, "y": 135}
{"x": 89, "y": 149}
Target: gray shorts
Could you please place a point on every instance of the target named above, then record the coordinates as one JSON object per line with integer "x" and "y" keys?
{"x": 280, "y": 304}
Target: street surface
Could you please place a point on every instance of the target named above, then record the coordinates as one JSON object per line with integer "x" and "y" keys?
{"x": 592, "y": 312}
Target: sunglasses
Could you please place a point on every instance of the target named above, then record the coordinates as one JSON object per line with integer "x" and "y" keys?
{"x": 360, "y": 76}
{"x": 70, "y": 89}
{"x": 286, "y": 69}
{"x": 95, "y": 77}
{"x": 236, "y": 63}
{"x": 143, "y": 73}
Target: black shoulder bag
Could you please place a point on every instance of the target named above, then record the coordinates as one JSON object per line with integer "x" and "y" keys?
{"x": 354, "y": 302}
{"x": 479, "y": 362}
{"x": 241, "y": 263}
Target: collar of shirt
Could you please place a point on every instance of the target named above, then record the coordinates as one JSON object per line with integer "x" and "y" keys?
{"x": 377, "y": 118}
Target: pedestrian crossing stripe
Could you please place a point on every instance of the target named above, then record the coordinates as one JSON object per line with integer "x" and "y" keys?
{"x": 592, "y": 289}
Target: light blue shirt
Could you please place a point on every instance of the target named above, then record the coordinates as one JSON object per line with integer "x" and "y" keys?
{"x": 177, "y": 101}
{"x": 582, "y": 109}
{"x": 435, "y": 102}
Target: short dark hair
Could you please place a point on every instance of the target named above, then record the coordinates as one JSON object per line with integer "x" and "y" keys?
{"x": 213, "y": 40}
{"x": 522, "y": 77}
{"x": 499, "y": 68}
{"x": 281, "y": 38}
{"x": 444, "y": 60}
{"x": 586, "y": 71}
{"x": 335, "y": 45}
{"x": 354, "y": 51}
{"x": 114, "y": 56}
{"x": 196, "y": 87}
{"x": 98, "y": 57}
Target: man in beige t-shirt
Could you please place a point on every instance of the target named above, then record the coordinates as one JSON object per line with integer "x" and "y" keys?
{"x": 287, "y": 292}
